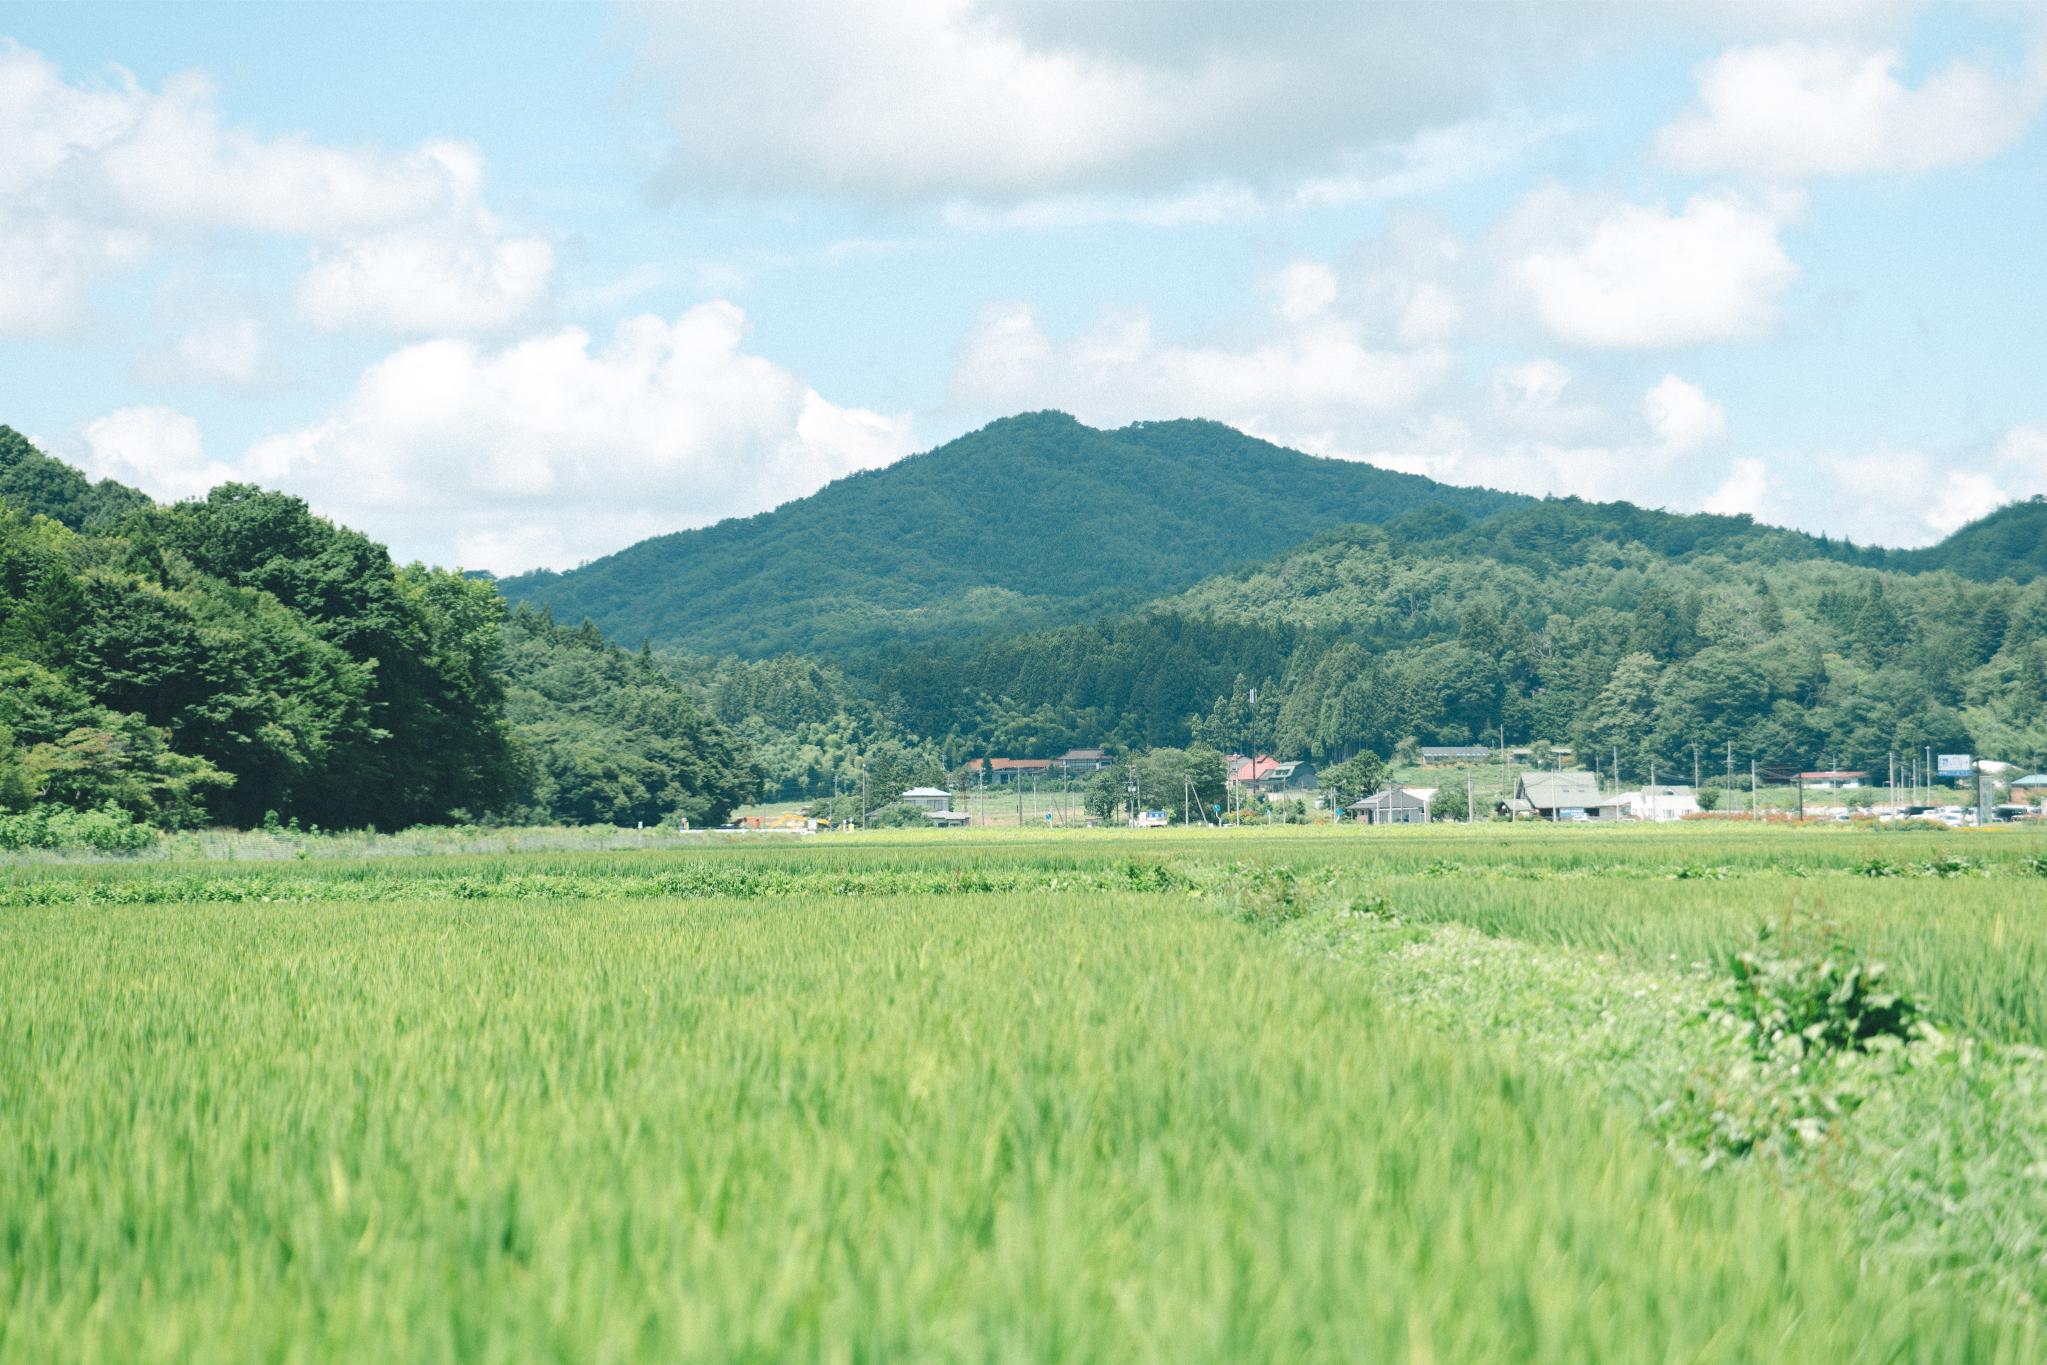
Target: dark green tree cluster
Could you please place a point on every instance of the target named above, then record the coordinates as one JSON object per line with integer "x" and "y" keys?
{"x": 611, "y": 737}
{"x": 235, "y": 658}
{"x": 811, "y": 729}
{"x": 225, "y": 659}
{"x": 1187, "y": 784}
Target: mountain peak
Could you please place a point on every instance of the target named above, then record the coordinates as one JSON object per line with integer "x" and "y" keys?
{"x": 1032, "y": 518}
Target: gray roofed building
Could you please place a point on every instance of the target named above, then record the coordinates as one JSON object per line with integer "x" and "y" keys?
{"x": 1562, "y": 796}
{"x": 1397, "y": 805}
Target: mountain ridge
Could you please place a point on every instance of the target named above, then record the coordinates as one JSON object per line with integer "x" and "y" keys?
{"x": 1032, "y": 518}
{"x": 1037, "y": 520}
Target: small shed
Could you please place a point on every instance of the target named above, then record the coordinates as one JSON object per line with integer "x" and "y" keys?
{"x": 927, "y": 798}
{"x": 1438, "y": 755}
{"x": 949, "y": 819}
{"x": 1397, "y": 805}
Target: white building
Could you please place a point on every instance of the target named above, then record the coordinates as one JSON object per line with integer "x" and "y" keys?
{"x": 1660, "y": 803}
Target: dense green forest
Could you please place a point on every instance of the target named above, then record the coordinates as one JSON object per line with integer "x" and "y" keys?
{"x": 1032, "y": 520}
{"x": 237, "y": 659}
{"x": 1605, "y": 628}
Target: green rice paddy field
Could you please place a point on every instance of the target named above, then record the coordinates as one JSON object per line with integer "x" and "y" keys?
{"x": 1480, "y": 1094}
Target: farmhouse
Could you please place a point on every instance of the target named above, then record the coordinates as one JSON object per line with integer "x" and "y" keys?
{"x": 1562, "y": 796}
{"x": 927, "y": 798}
{"x": 1439, "y": 755}
{"x": 1082, "y": 761}
{"x": 1267, "y": 774}
{"x": 949, "y": 819}
{"x": 1397, "y": 805}
{"x": 1002, "y": 771}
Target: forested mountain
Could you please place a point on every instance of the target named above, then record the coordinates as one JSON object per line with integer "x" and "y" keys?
{"x": 234, "y": 658}
{"x": 1604, "y": 628}
{"x": 1031, "y": 520}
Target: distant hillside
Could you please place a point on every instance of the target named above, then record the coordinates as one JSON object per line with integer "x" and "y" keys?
{"x": 2009, "y": 543}
{"x": 1031, "y": 520}
{"x": 1663, "y": 639}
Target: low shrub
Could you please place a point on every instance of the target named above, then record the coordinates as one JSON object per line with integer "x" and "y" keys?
{"x": 108, "y": 830}
{"x": 1801, "y": 990}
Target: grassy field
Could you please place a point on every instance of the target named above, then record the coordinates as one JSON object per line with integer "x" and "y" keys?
{"x": 1452, "y": 1094}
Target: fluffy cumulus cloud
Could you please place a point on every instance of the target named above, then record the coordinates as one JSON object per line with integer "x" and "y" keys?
{"x": 1907, "y": 497}
{"x": 556, "y": 448}
{"x": 457, "y": 277}
{"x": 1743, "y": 493}
{"x": 999, "y": 100}
{"x": 98, "y": 177}
{"x": 1681, "y": 414}
{"x": 1792, "y": 111}
{"x": 1307, "y": 380}
{"x": 1038, "y": 112}
{"x": 1632, "y": 276}
{"x": 155, "y": 449}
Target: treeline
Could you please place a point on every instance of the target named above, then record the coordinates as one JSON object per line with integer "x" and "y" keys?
{"x": 237, "y": 659}
{"x": 1553, "y": 624}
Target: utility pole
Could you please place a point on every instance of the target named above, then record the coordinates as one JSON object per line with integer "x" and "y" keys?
{"x": 1469, "y": 814}
{"x": 1752, "y": 812}
{"x": 1695, "y": 767}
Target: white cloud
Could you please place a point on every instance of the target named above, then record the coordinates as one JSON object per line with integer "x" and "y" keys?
{"x": 1642, "y": 277}
{"x": 95, "y": 179}
{"x": 1792, "y": 111}
{"x": 1745, "y": 491}
{"x": 1091, "y": 111}
{"x": 152, "y": 448}
{"x": 231, "y": 352}
{"x": 462, "y": 278}
{"x": 1531, "y": 385}
{"x": 1317, "y": 375}
{"x": 2024, "y": 451}
{"x": 48, "y": 266}
{"x": 1911, "y": 498}
{"x": 1305, "y": 288}
{"x": 554, "y": 449}
{"x": 1681, "y": 415}
{"x": 1963, "y": 496}
{"x": 174, "y": 163}
{"x": 1433, "y": 160}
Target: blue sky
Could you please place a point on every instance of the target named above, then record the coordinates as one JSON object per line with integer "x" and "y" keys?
{"x": 516, "y": 285}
